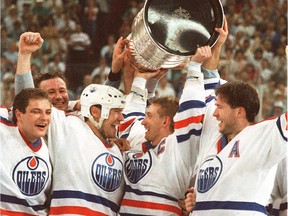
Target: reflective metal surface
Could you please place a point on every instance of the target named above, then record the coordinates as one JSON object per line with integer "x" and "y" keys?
{"x": 167, "y": 32}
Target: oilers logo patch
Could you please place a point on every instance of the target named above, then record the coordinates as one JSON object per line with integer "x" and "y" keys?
{"x": 209, "y": 174}
{"x": 31, "y": 175}
{"x": 107, "y": 172}
{"x": 137, "y": 165}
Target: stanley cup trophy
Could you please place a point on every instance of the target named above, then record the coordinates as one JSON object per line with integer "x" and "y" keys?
{"x": 166, "y": 33}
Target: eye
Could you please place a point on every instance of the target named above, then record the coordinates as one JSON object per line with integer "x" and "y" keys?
{"x": 51, "y": 92}
{"x": 35, "y": 111}
{"x": 48, "y": 112}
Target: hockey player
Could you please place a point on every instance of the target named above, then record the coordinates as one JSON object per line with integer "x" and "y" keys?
{"x": 237, "y": 147}
{"x": 160, "y": 163}
{"x": 88, "y": 169}
{"x": 25, "y": 169}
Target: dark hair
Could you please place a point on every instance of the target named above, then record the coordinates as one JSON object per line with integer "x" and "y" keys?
{"x": 168, "y": 107}
{"x": 48, "y": 76}
{"x": 240, "y": 94}
{"x": 21, "y": 100}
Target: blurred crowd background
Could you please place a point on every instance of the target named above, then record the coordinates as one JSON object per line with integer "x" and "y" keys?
{"x": 80, "y": 35}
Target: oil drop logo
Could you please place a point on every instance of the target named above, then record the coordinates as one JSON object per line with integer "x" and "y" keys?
{"x": 107, "y": 172}
{"x": 31, "y": 175}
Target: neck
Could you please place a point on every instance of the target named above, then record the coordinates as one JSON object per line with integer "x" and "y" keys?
{"x": 96, "y": 131}
{"x": 237, "y": 131}
{"x": 158, "y": 140}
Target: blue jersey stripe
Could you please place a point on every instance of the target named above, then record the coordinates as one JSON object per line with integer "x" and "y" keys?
{"x": 134, "y": 114}
{"x": 6, "y": 121}
{"x": 185, "y": 137}
{"x": 191, "y": 104}
{"x": 229, "y": 205}
{"x": 23, "y": 202}
{"x": 280, "y": 129}
{"x": 124, "y": 135}
{"x": 210, "y": 99}
{"x": 66, "y": 194}
{"x": 211, "y": 86}
{"x": 149, "y": 193}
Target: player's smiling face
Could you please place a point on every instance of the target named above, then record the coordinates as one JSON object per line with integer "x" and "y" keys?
{"x": 226, "y": 117}
{"x": 152, "y": 123}
{"x": 34, "y": 123}
{"x": 57, "y": 92}
{"x": 109, "y": 126}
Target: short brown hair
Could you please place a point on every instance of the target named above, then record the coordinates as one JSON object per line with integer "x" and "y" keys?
{"x": 47, "y": 76}
{"x": 240, "y": 94}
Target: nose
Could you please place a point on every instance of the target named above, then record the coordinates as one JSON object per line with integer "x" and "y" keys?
{"x": 215, "y": 113}
{"x": 45, "y": 116}
{"x": 58, "y": 95}
{"x": 143, "y": 121}
{"x": 121, "y": 117}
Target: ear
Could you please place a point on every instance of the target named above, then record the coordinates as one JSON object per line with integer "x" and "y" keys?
{"x": 18, "y": 115}
{"x": 167, "y": 121}
{"x": 95, "y": 112}
{"x": 241, "y": 112}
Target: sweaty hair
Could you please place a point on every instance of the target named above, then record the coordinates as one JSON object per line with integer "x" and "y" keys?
{"x": 240, "y": 94}
{"x": 48, "y": 76}
{"x": 21, "y": 100}
{"x": 168, "y": 107}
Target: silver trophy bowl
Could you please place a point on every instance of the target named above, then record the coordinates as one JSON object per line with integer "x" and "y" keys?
{"x": 166, "y": 33}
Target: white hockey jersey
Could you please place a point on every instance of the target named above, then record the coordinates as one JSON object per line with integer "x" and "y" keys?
{"x": 87, "y": 174}
{"x": 236, "y": 178}
{"x": 156, "y": 178}
{"x": 25, "y": 172}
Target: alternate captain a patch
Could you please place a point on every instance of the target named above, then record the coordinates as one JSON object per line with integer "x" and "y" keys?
{"x": 209, "y": 174}
{"x": 31, "y": 175}
{"x": 137, "y": 165}
{"x": 235, "y": 150}
{"x": 107, "y": 172}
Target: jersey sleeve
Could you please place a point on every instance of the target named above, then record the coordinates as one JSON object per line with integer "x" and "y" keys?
{"x": 188, "y": 119}
{"x": 277, "y": 134}
{"x": 23, "y": 81}
{"x": 134, "y": 112}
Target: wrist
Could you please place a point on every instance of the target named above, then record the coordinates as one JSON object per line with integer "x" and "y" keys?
{"x": 114, "y": 76}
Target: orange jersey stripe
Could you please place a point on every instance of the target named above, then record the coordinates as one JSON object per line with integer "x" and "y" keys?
{"x": 74, "y": 210}
{"x": 150, "y": 205}
{"x": 123, "y": 126}
{"x": 186, "y": 122}
{"x": 14, "y": 213}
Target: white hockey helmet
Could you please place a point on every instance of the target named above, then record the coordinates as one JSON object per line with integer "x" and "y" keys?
{"x": 106, "y": 96}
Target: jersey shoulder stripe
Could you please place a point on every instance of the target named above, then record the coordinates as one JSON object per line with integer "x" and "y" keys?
{"x": 186, "y": 122}
{"x": 191, "y": 104}
{"x": 185, "y": 137}
{"x": 7, "y": 122}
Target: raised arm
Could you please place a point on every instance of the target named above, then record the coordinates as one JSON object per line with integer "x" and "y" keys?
{"x": 29, "y": 42}
{"x": 212, "y": 63}
{"x": 114, "y": 77}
